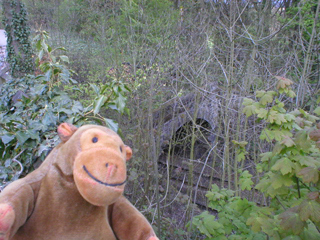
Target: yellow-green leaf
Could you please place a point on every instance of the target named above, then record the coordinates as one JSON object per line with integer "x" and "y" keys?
{"x": 261, "y": 113}
{"x": 249, "y": 110}
{"x": 284, "y": 165}
{"x": 267, "y": 98}
{"x": 283, "y": 82}
{"x": 288, "y": 141}
{"x": 279, "y": 180}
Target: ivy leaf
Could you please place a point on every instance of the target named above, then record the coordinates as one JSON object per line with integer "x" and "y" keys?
{"x": 284, "y": 165}
{"x": 7, "y": 138}
{"x": 290, "y": 220}
{"x": 309, "y": 174}
{"x": 310, "y": 209}
{"x": 22, "y": 137}
{"x": 317, "y": 111}
{"x": 42, "y": 148}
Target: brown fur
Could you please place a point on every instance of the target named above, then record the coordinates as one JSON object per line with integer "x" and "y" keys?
{"x": 69, "y": 196}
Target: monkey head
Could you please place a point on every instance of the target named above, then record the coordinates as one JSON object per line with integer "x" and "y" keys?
{"x": 98, "y": 161}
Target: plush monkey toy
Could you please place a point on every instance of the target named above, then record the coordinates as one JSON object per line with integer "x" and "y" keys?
{"x": 76, "y": 194}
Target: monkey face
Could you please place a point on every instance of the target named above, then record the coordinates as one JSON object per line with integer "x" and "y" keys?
{"x": 99, "y": 169}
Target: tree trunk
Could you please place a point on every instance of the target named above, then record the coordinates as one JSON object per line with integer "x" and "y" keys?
{"x": 18, "y": 47}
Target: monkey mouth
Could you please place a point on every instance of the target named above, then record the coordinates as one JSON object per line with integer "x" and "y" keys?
{"x": 103, "y": 183}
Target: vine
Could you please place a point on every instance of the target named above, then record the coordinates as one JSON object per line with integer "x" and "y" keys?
{"x": 18, "y": 45}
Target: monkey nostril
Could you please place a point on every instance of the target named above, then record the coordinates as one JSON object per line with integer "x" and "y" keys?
{"x": 107, "y": 164}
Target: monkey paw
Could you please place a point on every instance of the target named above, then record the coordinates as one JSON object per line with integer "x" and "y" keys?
{"x": 7, "y": 217}
{"x": 153, "y": 238}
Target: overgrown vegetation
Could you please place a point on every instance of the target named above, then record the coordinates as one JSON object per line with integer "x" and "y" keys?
{"x": 32, "y": 107}
{"x": 289, "y": 183}
{"x": 180, "y": 59}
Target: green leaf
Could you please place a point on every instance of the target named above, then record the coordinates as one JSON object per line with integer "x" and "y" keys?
{"x": 77, "y": 107}
{"x": 284, "y": 165}
{"x": 266, "y": 156}
{"x": 287, "y": 141}
{"x": 249, "y": 110}
{"x": 267, "y": 97}
{"x": 111, "y": 124}
{"x": 309, "y": 174}
{"x": 260, "y": 94}
{"x": 301, "y": 139}
{"x": 292, "y": 237}
{"x": 279, "y": 180}
{"x": 307, "y": 161}
{"x": 280, "y": 118}
{"x": 7, "y": 138}
{"x": 317, "y": 111}
{"x": 283, "y": 83}
{"x": 262, "y": 113}
{"x": 310, "y": 209}
{"x": 98, "y": 104}
{"x": 310, "y": 233}
{"x": 247, "y": 102}
{"x": 49, "y": 119}
{"x": 95, "y": 88}
{"x": 255, "y": 223}
{"x": 64, "y": 58}
{"x": 22, "y": 137}
{"x": 7, "y": 163}
{"x": 120, "y": 102}
{"x": 245, "y": 180}
{"x": 290, "y": 221}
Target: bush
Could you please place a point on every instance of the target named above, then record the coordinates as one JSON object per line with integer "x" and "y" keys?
{"x": 290, "y": 179}
{"x": 32, "y": 107}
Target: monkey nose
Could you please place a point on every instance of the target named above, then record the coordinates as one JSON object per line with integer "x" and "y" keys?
{"x": 111, "y": 169}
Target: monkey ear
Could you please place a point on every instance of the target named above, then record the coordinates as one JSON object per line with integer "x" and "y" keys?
{"x": 128, "y": 152}
{"x": 65, "y": 131}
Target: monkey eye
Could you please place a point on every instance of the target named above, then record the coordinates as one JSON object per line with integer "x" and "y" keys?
{"x": 120, "y": 149}
{"x": 95, "y": 139}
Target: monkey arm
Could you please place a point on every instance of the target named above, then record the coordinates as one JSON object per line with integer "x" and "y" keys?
{"x": 16, "y": 205}
{"x": 128, "y": 223}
